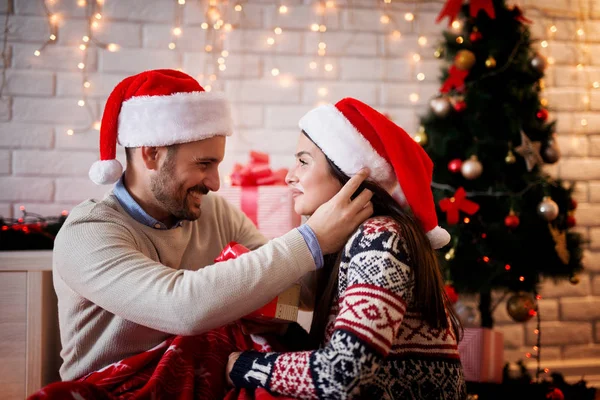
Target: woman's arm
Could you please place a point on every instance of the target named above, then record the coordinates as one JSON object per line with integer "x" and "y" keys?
{"x": 371, "y": 311}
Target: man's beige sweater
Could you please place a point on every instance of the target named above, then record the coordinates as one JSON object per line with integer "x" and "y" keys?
{"x": 124, "y": 287}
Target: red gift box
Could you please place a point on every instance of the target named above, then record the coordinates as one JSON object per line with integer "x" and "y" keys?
{"x": 283, "y": 308}
{"x": 482, "y": 355}
{"x": 262, "y": 195}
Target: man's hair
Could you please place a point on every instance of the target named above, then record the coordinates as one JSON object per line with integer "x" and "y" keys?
{"x": 172, "y": 149}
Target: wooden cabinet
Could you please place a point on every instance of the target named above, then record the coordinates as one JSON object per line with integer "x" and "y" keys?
{"x": 29, "y": 336}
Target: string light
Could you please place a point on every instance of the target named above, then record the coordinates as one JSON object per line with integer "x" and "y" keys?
{"x": 81, "y": 3}
{"x": 221, "y": 60}
{"x": 97, "y": 125}
{"x": 204, "y": 26}
{"x": 53, "y": 37}
{"x": 384, "y": 19}
{"x": 225, "y": 53}
{"x": 222, "y": 67}
{"x": 275, "y": 71}
{"x": 322, "y": 28}
{"x": 413, "y": 97}
{"x": 208, "y": 48}
{"x": 421, "y": 76}
{"x": 238, "y": 7}
{"x": 270, "y": 41}
{"x": 422, "y": 41}
{"x": 584, "y": 122}
{"x": 328, "y": 67}
{"x": 87, "y": 84}
{"x": 82, "y": 47}
{"x": 580, "y": 32}
{"x": 81, "y": 65}
{"x": 409, "y": 17}
{"x": 522, "y": 278}
{"x": 312, "y": 65}
{"x": 460, "y": 40}
{"x": 278, "y": 31}
{"x": 37, "y": 53}
{"x": 283, "y": 10}
{"x": 181, "y": 2}
{"x": 314, "y": 27}
{"x": 177, "y": 31}
{"x": 321, "y": 52}
{"x": 507, "y": 267}
{"x": 323, "y": 92}
{"x": 98, "y": 16}
{"x": 172, "y": 46}
{"x": 456, "y": 25}
{"x": 81, "y": 103}
{"x": 70, "y": 132}
{"x": 112, "y": 47}
{"x": 416, "y": 57}
{"x": 544, "y": 43}
{"x": 330, "y": 4}
{"x": 85, "y": 39}
{"x": 553, "y": 29}
{"x": 596, "y": 85}
{"x": 396, "y": 34}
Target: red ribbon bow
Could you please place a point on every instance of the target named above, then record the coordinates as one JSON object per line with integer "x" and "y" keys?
{"x": 451, "y": 206}
{"x": 452, "y": 7}
{"x": 456, "y": 79}
{"x": 257, "y": 172}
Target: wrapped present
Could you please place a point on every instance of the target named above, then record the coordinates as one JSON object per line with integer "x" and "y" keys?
{"x": 283, "y": 308}
{"x": 482, "y": 355}
{"x": 262, "y": 195}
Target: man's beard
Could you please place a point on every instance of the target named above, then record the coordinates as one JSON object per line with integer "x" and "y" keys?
{"x": 172, "y": 196}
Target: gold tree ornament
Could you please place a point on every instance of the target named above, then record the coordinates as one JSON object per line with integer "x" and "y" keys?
{"x": 560, "y": 245}
{"x": 465, "y": 59}
{"x": 530, "y": 151}
{"x": 490, "y": 62}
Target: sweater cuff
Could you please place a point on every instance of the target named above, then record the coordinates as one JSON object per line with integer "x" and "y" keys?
{"x": 253, "y": 369}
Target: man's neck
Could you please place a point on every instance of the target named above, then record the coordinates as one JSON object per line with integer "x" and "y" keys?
{"x": 140, "y": 193}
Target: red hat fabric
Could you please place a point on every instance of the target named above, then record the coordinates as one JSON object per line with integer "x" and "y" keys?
{"x": 353, "y": 135}
{"x": 157, "y": 108}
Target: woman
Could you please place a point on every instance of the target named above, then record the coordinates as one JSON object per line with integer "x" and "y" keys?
{"x": 382, "y": 316}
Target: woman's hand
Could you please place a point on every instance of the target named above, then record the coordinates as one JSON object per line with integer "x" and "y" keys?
{"x": 232, "y": 359}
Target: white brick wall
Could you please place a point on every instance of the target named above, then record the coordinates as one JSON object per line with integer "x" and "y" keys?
{"x": 44, "y": 169}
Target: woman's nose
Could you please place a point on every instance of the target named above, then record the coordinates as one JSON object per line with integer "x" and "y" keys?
{"x": 290, "y": 177}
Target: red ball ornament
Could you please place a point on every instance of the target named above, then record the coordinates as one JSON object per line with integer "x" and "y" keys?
{"x": 455, "y": 165}
{"x": 451, "y": 293}
{"x": 460, "y": 106}
{"x": 475, "y": 36}
{"x": 572, "y": 204}
{"x": 571, "y": 221}
{"x": 555, "y": 394}
{"x": 512, "y": 220}
{"x": 542, "y": 114}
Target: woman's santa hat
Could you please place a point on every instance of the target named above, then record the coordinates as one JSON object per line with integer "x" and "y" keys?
{"x": 157, "y": 108}
{"x": 353, "y": 135}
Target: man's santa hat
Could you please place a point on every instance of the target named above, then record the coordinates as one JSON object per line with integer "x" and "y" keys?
{"x": 157, "y": 108}
{"x": 353, "y": 135}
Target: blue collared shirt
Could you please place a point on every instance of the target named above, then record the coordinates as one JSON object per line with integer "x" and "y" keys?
{"x": 137, "y": 212}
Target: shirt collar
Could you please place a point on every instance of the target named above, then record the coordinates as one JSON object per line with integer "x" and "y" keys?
{"x": 135, "y": 210}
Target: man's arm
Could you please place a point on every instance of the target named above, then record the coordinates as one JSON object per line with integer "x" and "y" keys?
{"x": 99, "y": 260}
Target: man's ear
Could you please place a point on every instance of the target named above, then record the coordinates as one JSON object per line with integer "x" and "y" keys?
{"x": 150, "y": 157}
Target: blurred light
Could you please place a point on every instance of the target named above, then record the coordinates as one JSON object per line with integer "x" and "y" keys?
{"x": 409, "y": 16}
{"x": 422, "y": 41}
{"x": 112, "y": 47}
{"x": 384, "y": 19}
{"x": 421, "y": 76}
{"x": 172, "y": 46}
{"x": 177, "y": 31}
{"x": 278, "y": 31}
{"x": 283, "y": 9}
{"x": 328, "y": 67}
{"x": 275, "y": 71}
{"x": 414, "y": 97}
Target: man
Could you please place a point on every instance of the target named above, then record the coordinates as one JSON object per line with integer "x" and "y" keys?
{"x": 136, "y": 267}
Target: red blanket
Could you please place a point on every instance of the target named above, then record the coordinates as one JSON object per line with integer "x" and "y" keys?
{"x": 180, "y": 368}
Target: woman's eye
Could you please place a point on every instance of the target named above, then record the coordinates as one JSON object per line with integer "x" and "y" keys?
{"x": 302, "y": 162}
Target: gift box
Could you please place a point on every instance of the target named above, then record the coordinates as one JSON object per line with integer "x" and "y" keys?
{"x": 262, "y": 195}
{"x": 283, "y": 308}
{"x": 482, "y": 355}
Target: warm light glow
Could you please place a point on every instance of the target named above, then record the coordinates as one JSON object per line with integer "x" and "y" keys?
{"x": 221, "y": 60}
{"x": 53, "y": 37}
{"x": 323, "y": 92}
{"x": 85, "y": 39}
{"x": 579, "y": 67}
{"x": 546, "y": 370}
{"x": 416, "y": 57}
{"x": 112, "y": 47}
{"x": 522, "y": 278}
{"x": 422, "y": 41}
{"x": 285, "y": 81}
{"x": 330, "y": 4}
{"x": 87, "y": 84}
{"x": 323, "y": 45}
{"x": 550, "y": 60}
{"x": 414, "y": 97}
{"x": 312, "y": 65}
{"x": 528, "y": 355}
{"x": 322, "y": 28}
{"x": 238, "y": 7}
{"x": 70, "y": 132}
{"x": 544, "y": 101}
{"x": 314, "y": 27}
{"x": 208, "y": 48}
{"x": 81, "y": 103}
{"x": 544, "y": 44}
{"x": 82, "y": 47}
{"x": 81, "y": 3}
{"x": 275, "y": 71}
{"x": 585, "y": 99}
{"x": 278, "y": 31}
{"x": 208, "y": 88}
{"x": 536, "y": 331}
{"x": 225, "y": 53}
{"x": 596, "y": 85}
{"x": 384, "y": 19}
{"x": 507, "y": 267}
{"x": 535, "y": 348}
{"x": 181, "y": 2}
{"x": 486, "y": 259}
{"x": 204, "y": 25}
{"x": 421, "y": 76}
{"x": 37, "y": 53}
{"x": 97, "y": 125}
{"x": 81, "y": 65}
{"x": 177, "y": 31}
{"x": 321, "y": 52}
{"x": 396, "y": 34}
{"x": 54, "y": 18}
{"x": 584, "y": 122}
{"x": 95, "y": 24}
{"x": 283, "y": 9}
{"x": 98, "y": 16}
{"x": 409, "y": 16}
{"x": 467, "y": 220}
{"x": 228, "y": 27}
{"x": 222, "y": 67}
{"x": 212, "y": 77}
{"x": 553, "y": 29}
{"x": 270, "y": 41}
{"x": 172, "y": 46}
{"x": 328, "y": 67}
{"x": 580, "y": 32}
{"x": 460, "y": 40}
{"x": 456, "y": 24}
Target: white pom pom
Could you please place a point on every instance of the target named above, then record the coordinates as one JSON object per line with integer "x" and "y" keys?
{"x": 438, "y": 237}
{"x": 105, "y": 172}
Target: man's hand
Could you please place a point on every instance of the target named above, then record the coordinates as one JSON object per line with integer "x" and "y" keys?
{"x": 230, "y": 363}
{"x": 335, "y": 220}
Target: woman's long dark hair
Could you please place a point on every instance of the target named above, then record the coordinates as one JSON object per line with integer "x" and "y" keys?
{"x": 430, "y": 297}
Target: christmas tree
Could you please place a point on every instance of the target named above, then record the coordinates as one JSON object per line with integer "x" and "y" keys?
{"x": 489, "y": 135}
